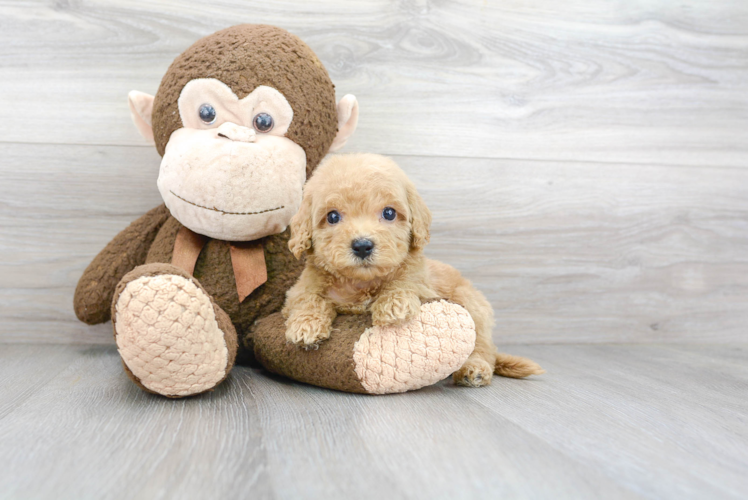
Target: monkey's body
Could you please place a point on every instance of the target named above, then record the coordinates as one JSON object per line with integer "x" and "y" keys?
{"x": 256, "y": 331}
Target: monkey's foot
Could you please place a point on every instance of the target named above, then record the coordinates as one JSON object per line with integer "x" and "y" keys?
{"x": 415, "y": 354}
{"x": 359, "y": 357}
{"x": 172, "y": 338}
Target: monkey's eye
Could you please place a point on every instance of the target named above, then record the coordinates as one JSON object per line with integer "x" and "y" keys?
{"x": 333, "y": 217}
{"x": 389, "y": 213}
{"x": 263, "y": 122}
{"x": 207, "y": 114}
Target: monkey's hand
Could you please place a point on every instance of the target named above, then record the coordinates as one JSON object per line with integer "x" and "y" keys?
{"x": 310, "y": 323}
{"x": 395, "y": 307}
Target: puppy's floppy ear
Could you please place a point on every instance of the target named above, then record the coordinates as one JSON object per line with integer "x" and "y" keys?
{"x": 420, "y": 219}
{"x": 301, "y": 226}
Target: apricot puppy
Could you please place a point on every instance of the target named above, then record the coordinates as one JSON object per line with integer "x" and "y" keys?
{"x": 363, "y": 227}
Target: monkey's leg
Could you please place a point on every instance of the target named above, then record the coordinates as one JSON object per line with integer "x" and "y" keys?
{"x": 173, "y": 339}
{"x": 359, "y": 357}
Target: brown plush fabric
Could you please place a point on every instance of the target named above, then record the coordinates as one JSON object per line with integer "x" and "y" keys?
{"x": 215, "y": 272}
{"x": 331, "y": 365}
{"x": 245, "y": 57}
{"x": 223, "y": 319}
{"x": 93, "y": 295}
{"x": 162, "y": 248}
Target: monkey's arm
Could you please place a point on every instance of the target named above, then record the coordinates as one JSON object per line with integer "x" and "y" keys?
{"x": 93, "y": 295}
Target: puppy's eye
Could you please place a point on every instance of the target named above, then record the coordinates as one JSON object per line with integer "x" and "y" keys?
{"x": 333, "y": 217}
{"x": 263, "y": 122}
{"x": 207, "y": 114}
{"x": 389, "y": 213}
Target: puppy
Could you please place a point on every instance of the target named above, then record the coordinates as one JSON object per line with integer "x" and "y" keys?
{"x": 363, "y": 227}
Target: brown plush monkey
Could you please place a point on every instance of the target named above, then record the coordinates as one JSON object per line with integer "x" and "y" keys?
{"x": 241, "y": 119}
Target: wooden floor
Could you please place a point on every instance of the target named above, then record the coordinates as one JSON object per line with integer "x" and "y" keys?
{"x": 614, "y": 421}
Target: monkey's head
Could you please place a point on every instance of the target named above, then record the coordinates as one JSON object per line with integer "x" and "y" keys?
{"x": 241, "y": 119}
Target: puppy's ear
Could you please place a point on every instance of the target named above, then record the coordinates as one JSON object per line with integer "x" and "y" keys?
{"x": 420, "y": 219}
{"x": 301, "y": 226}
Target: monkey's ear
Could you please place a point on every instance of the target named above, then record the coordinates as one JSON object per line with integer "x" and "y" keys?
{"x": 420, "y": 224}
{"x": 141, "y": 109}
{"x": 347, "y": 121}
{"x": 301, "y": 227}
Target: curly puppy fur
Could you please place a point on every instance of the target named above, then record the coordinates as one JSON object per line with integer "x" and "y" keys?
{"x": 394, "y": 278}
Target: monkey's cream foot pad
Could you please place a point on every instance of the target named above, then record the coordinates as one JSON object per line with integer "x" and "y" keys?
{"x": 421, "y": 352}
{"x": 167, "y": 334}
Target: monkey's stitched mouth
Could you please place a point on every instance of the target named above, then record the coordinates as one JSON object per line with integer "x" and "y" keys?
{"x": 224, "y": 211}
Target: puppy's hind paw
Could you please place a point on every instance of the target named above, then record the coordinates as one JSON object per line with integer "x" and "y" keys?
{"x": 395, "y": 308}
{"x": 307, "y": 332}
{"x": 476, "y": 372}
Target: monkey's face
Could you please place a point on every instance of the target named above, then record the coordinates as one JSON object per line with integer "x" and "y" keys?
{"x": 233, "y": 169}
{"x": 230, "y": 173}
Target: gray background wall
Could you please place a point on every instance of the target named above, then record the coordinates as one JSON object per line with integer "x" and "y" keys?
{"x": 585, "y": 161}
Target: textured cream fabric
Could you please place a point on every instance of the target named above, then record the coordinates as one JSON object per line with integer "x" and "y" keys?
{"x": 230, "y": 189}
{"x": 419, "y": 353}
{"x": 168, "y": 336}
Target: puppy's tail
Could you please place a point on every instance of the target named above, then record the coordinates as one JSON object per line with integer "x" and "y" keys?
{"x": 515, "y": 366}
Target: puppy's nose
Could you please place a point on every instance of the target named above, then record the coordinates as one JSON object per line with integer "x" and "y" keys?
{"x": 362, "y": 247}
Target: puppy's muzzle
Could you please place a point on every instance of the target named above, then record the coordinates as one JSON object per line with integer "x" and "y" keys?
{"x": 362, "y": 247}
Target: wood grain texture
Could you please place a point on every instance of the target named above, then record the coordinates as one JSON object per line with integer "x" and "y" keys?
{"x": 565, "y": 251}
{"x": 91, "y": 433}
{"x": 25, "y": 369}
{"x": 641, "y": 414}
{"x": 605, "y": 422}
{"x": 645, "y": 82}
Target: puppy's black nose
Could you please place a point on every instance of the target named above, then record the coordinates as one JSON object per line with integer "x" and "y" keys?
{"x": 362, "y": 247}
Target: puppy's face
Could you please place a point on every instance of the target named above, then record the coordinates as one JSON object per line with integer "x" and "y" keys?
{"x": 361, "y": 216}
{"x": 362, "y": 233}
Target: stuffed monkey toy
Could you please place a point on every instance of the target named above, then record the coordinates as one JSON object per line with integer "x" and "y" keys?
{"x": 241, "y": 119}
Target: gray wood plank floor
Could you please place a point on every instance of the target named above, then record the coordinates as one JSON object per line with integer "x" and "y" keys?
{"x": 614, "y": 421}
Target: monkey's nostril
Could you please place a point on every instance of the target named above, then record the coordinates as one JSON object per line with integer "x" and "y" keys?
{"x": 236, "y": 133}
{"x": 362, "y": 247}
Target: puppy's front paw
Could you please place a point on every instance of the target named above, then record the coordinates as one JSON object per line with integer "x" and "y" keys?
{"x": 476, "y": 372}
{"x": 307, "y": 330}
{"x": 395, "y": 308}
